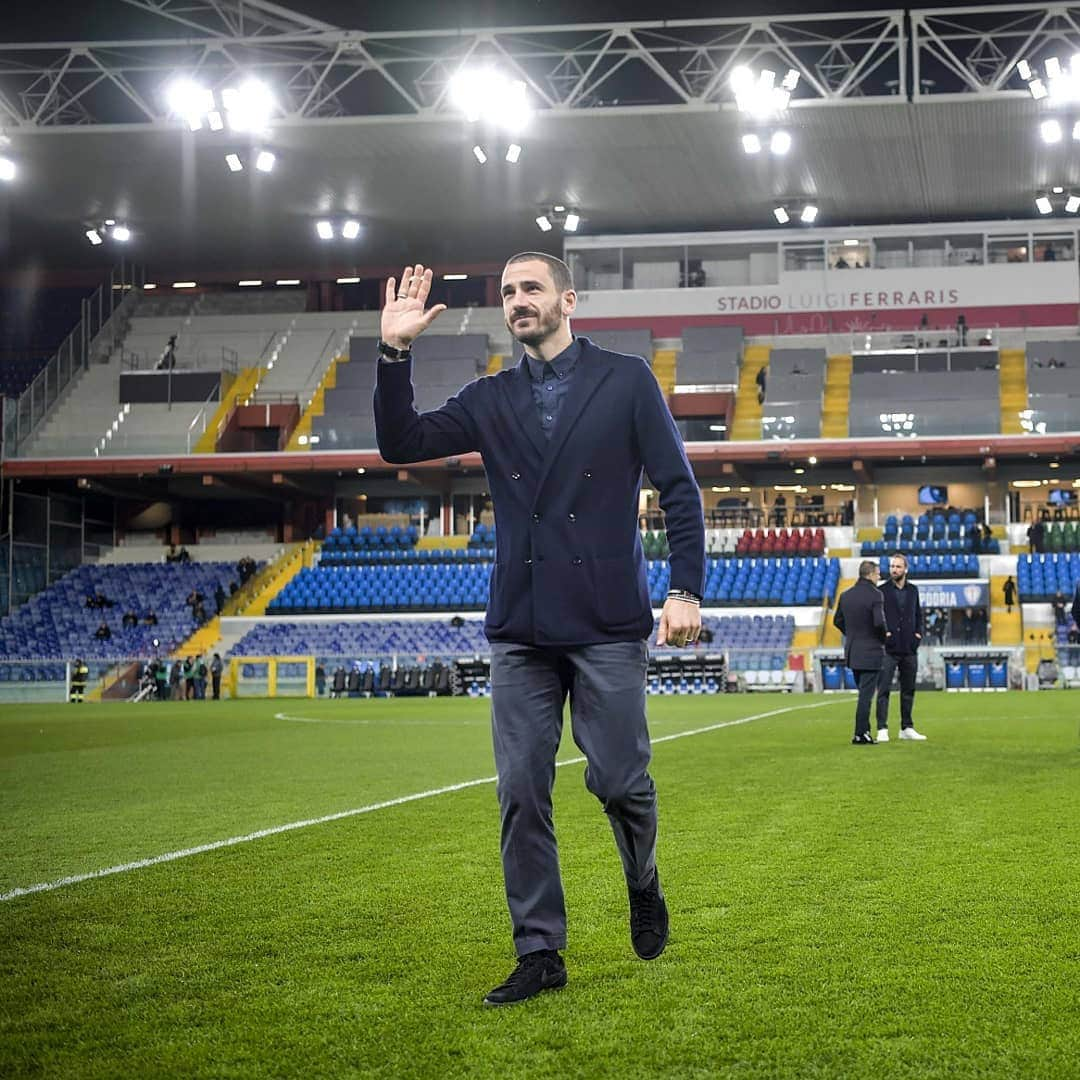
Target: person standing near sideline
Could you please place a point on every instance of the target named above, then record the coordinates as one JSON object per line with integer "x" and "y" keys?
{"x": 565, "y": 437}
{"x": 860, "y": 617}
{"x": 216, "y": 668}
{"x": 903, "y": 636}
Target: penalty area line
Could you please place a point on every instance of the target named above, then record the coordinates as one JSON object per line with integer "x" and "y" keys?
{"x": 341, "y": 815}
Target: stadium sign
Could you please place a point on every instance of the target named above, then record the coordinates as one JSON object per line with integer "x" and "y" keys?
{"x": 858, "y": 294}
{"x": 953, "y": 594}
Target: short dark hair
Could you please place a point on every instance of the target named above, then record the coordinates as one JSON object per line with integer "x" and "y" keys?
{"x": 867, "y": 568}
{"x": 560, "y": 272}
{"x": 899, "y": 555}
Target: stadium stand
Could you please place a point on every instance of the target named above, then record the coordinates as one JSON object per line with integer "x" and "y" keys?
{"x": 16, "y": 375}
{"x": 945, "y": 533}
{"x": 935, "y": 403}
{"x": 710, "y": 356}
{"x": 1042, "y": 577}
{"x": 781, "y": 542}
{"x": 756, "y": 642}
{"x": 442, "y": 364}
{"x": 56, "y": 624}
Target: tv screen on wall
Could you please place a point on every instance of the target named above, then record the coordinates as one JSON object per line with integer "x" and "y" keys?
{"x": 933, "y": 495}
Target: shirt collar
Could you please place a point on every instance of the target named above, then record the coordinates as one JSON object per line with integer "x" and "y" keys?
{"x": 562, "y": 363}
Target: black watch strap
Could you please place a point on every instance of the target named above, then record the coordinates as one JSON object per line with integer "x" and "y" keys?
{"x": 392, "y": 353}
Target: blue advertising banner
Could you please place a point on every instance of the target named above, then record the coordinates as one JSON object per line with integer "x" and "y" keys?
{"x": 953, "y": 594}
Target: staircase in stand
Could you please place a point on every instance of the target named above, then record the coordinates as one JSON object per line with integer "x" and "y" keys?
{"x": 1012, "y": 390}
{"x": 834, "y": 413}
{"x": 747, "y": 423}
{"x": 663, "y": 367}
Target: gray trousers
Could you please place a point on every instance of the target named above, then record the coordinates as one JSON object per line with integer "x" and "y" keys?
{"x": 606, "y": 687}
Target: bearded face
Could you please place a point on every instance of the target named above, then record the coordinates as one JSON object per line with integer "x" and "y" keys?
{"x": 533, "y": 321}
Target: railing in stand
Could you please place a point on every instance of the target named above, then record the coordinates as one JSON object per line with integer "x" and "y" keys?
{"x": 98, "y": 332}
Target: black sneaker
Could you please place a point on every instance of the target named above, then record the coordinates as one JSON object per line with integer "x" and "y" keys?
{"x": 535, "y": 971}
{"x": 648, "y": 920}
{"x": 865, "y": 739}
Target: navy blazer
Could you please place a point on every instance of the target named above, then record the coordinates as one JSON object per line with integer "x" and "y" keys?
{"x": 902, "y": 640}
{"x": 860, "y": 617}
{"x": 569, "y": 566}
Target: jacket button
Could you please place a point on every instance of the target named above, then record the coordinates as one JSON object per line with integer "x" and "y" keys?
{"x": 570, "y": 517}
{"x": 515, "y": 476}
{"x": 536, "y": 518}
{"x": 576, "y": 560}
{"x": 528, "y": 562}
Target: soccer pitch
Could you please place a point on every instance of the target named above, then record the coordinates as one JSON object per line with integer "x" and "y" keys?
{"x": 907, "y": 910}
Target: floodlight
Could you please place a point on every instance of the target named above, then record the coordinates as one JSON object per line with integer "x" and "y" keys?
{"x": 455, "y": 277}
{"x": 1038, "y": 89}
{"x": 487, "y": 94}
{"x": 760, "y": 97}
{"x": 1050, "y": 131}
{"x": 150, "y": 285}
{"x": 287, "y": 281}
{"x": 213, "y": 118}
{"x": 234, "y": 162}
{"x": 110, "y": 221}
{"x": 1072, "y": 204}
{"x": 780, "y": 143}
{"x": 93, "y": 236}
{"x": 559, "y": 209}
{"x": 7, "y": 169}
{"x": 513, "y": 152}
{"x": 809, "y": 215}
{"x": 248, "y": 106}
{"x": 791, "y": 80}
{"x": 1058, "y": 190}
{"x": 265, "y": 161}
{"x": 572, "y": 222}
{"x": 189, "y": 100}
{"x": 351, "y": 229}
{"x": 1076, "y": 131}
{"x": 184, "y": 284}
{"x": 1023, "y": 69}
{"x": 1042, "y": 204}
{"x": 325, "y": 229}
{"x": 1053, "y": 67}
{"x": 781, "y": 215}
{"x": 851, "y": 243}
{"x": 249, "y": 283}
{"x": 121, "y": 233}
{"x": 544, "y": 222}
{"x": 751, "y": 144}
{"x": 478, "y": 153}
{"x": 348, "y": 280}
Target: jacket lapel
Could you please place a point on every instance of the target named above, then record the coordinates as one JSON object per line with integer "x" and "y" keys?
{"x": 524, "y": 406}
{"x": 591, "y": 371}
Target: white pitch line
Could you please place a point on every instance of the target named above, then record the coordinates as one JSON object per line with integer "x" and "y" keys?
{"x": 260, "y": 834}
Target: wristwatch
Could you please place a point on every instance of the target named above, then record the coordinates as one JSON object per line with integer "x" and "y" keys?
{"x": 391, "y": 353}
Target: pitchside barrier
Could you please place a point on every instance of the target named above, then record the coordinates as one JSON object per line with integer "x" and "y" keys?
{"x": 955, "y": 668}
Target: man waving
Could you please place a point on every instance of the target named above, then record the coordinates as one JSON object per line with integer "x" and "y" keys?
{"x": 565, "y": 436}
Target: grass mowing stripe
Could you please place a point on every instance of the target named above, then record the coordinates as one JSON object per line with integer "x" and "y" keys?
{"x": 260, "y": 834}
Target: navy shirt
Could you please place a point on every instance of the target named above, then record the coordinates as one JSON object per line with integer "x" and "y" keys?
{"x": 551, "y": 384}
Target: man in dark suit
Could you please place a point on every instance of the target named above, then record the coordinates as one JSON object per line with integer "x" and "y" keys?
{"x": 565, "y": 436}
{"x": 860, "y": 617}
{"x": 903, "y": 636}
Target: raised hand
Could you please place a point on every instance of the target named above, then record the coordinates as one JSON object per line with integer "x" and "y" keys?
{"x": 403, "y": 316}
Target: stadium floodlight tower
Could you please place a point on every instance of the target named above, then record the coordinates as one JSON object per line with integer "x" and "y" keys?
{"x": 485, "y": 96}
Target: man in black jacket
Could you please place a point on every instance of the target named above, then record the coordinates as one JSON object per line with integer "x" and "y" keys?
{"x": 903, "y": 636}
{"x": 860, "y": 617}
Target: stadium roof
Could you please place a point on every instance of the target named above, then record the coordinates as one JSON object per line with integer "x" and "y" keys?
{"x": 898, "y": 117}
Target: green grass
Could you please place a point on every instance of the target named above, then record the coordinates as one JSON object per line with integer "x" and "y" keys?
{"x": 909, "y": 910}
